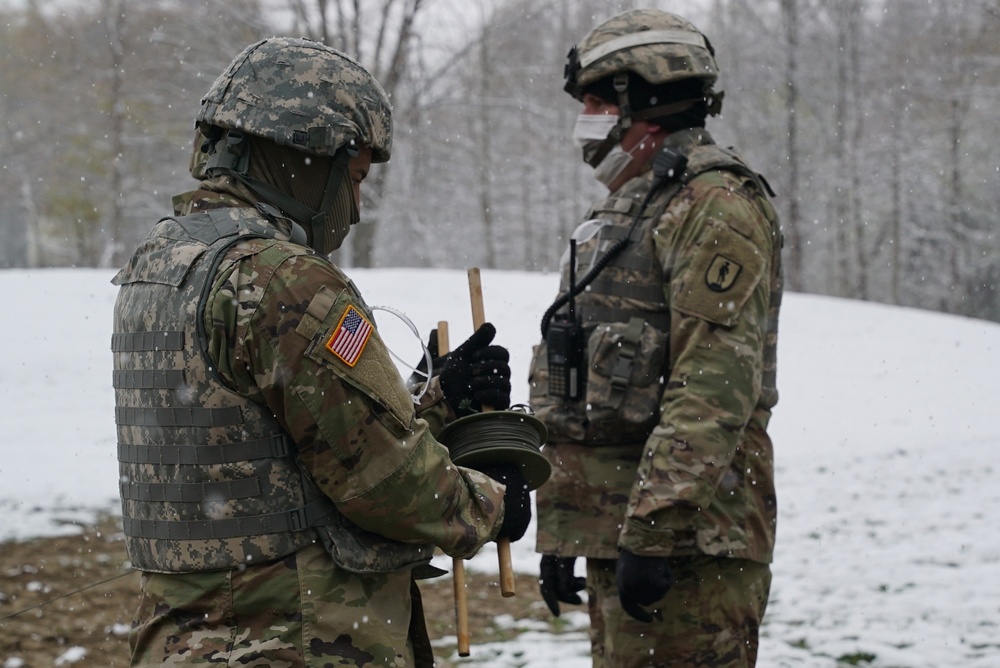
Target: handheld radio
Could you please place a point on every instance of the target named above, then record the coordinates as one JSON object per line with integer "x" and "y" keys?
{"x": 564, "y": 339}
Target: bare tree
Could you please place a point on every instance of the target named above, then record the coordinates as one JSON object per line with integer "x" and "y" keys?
{"x": 873, "y": 118}
{"x": 855, "y": 10}
{"x": 792, "y": 223}
{"x": 847, "y": 215}
{"x": 380, "y": 35}
{"x": 113, "y": 230}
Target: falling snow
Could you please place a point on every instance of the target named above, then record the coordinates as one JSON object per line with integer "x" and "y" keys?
{"x": 885, "y": 442}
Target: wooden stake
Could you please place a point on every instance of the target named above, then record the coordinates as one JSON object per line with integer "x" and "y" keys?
{"x": 461, "y": 607}
{"x": 457, "y": 565}
{"x": 507, "y": 588}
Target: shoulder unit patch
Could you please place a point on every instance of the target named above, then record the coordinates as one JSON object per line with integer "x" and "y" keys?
{"x": 349, "y": 338}
{"x": 722, "y": 273}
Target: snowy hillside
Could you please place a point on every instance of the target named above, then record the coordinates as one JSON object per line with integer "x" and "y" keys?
{"x": 885, "y": 439}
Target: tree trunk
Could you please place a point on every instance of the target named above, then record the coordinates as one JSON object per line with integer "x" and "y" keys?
{"x": 385, "y": 55}
{"x": 841, "y": 200}
{"x": 484, "y": 150}
{"x": 856, "y": 10}
{"x": 114, "y": 229}
{"x": 794, "y": 248}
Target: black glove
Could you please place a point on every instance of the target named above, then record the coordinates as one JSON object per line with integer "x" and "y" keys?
{"x": 477, "y": 374}
{"x": 642, "y": 581}
{"x": 516, "y": 500}
{"x": 557, "y": 582}
{"x": 419, "y": 376}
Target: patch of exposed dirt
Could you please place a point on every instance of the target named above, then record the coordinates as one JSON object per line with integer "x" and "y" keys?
{"x": 51, "y": 632}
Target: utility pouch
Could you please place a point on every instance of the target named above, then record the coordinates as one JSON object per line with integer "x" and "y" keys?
{"x": 627, "y": 374}
{"x": 359, "y": 551}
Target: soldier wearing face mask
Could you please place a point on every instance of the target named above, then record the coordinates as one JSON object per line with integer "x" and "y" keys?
{"x": 656, "y": 374}
{"x": 281, "y": 493}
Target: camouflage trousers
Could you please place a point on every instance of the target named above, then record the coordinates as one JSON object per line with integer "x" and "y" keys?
{"x": 710, "y": 618}
{"x": 301, "y": 611}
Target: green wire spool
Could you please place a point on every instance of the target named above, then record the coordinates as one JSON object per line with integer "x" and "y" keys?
{"x": 499, "y": 437}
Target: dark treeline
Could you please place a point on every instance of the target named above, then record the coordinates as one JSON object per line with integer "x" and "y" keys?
{"x": 873, "y": 120}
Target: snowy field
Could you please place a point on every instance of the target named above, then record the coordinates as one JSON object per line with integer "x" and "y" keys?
{"x": 887, "y": 456}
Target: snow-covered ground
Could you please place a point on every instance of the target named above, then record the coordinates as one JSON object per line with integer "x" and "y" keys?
{"x": 886, "y": 442}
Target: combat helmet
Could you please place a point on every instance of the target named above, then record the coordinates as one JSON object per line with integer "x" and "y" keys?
{"x": 305, "y": 95}
{"x": 661, "y": 48}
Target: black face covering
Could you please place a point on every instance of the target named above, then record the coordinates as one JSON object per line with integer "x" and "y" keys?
{"x": 320, "y": 186}
{"x": 330, "y": 226}
{"x": 301, "y": 176}
{"x": 314, "y": 191}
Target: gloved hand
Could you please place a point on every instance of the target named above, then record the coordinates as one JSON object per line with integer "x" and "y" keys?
{"x": 419, "y": 376}
{"x": 642, "y": 581}
{"x": 516, "y": 500}
{"x": 557, "y": 582}
{"x": 477, "y": 374}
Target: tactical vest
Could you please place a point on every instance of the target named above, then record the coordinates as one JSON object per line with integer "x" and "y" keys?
{"x": 625, "y": 312}
{"x": 208, "y": 478}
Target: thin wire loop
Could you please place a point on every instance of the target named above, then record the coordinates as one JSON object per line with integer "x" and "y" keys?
{"x": 427, "y": 353}
{"x": 66, "y": 595}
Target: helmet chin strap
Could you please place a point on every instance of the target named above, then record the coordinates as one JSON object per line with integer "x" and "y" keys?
{"x": 325, "y": 228}
{"x": 338, "y": 210}
{"x": 624, "y": 122}
{"x": 626, "y": 116}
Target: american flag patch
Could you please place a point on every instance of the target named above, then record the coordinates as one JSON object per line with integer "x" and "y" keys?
{"x": 350, "y": 337}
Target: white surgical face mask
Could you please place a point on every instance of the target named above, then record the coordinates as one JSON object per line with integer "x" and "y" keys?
{"x": 591, "y": 131}
{"x": 615, "y": 162}
{"x": 593, "y": 126}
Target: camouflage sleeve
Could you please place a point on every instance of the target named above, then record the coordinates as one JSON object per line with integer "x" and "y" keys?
{"x": 434, "y": 409}
{"x": 288, "y": 330}
{"x": 715, "y": 244}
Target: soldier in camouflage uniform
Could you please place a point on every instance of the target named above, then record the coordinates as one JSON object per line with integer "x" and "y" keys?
{"x": 280, "y": 491}
{"x": 656, "y": 373}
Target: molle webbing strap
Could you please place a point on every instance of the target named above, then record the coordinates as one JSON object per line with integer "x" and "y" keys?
{"x": 226, "y": 235}
{"x": 209, "y": 229}
{"x": 616, "y": 233}
{"x": 311, "y": 515}
{"x": 153, "y": 379}
{"x": 135, "y": 342}
{"x": 178, "y": 417}
{"x": 597, "y": 314}
{"x": 608, "y": 286}
{"x": 190, "y": 492}
{"x": 590, "y": 313}
{"x": 196, "y": 455}
{"x": 641, "y": 264}
{"x": 622, "y": 372}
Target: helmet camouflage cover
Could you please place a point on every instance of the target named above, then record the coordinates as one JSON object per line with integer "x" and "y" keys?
{"x": 656, "y": 45}
{"x": 303, "y": 94}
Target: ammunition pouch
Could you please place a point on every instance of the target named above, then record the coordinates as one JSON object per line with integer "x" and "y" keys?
{"x": 626, "y": 378}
